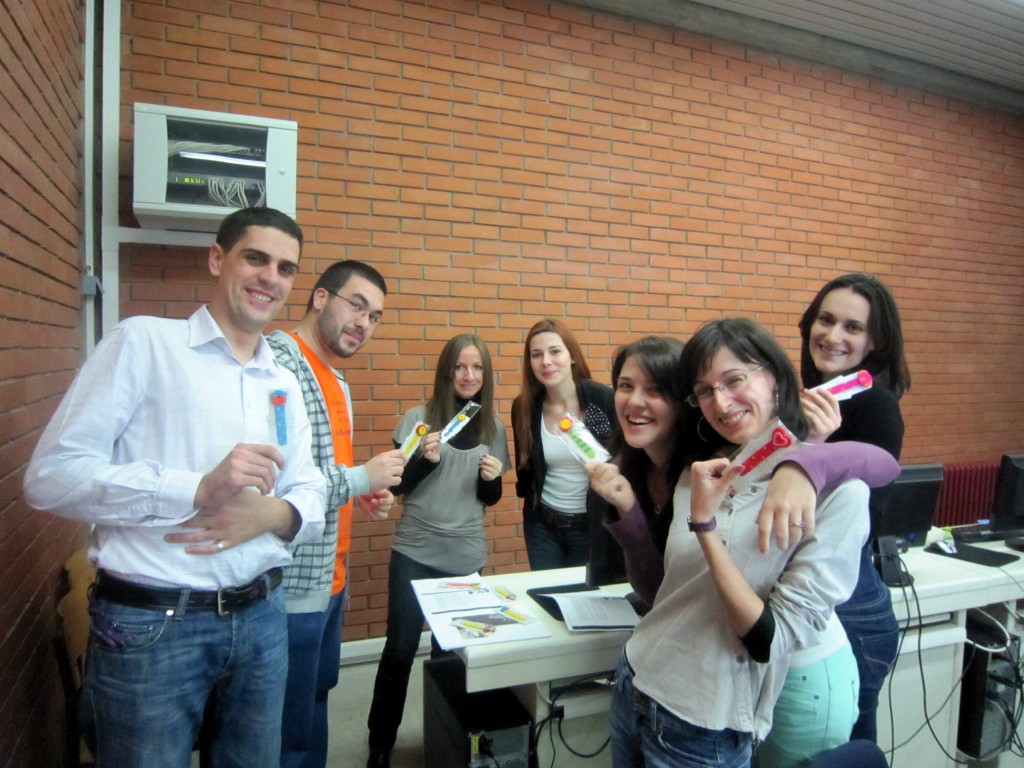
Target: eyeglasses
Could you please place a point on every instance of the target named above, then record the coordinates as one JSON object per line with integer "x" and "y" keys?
{"x": 732, "y": 384}
{"x": 360, "y": 309}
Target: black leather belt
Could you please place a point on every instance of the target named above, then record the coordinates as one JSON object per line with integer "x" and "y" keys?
{"x": 561, "y": 520}
{"x": 223, "y": 601}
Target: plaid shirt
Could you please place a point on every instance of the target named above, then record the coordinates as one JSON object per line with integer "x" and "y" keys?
{"x": 307, "y": 581}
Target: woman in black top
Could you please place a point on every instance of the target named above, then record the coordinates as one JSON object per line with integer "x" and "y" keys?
{"x": 552, "y": 483}
{"x": 853, "y": 324}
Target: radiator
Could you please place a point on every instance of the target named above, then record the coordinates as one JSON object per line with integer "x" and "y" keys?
{"x": 967, "y": 493}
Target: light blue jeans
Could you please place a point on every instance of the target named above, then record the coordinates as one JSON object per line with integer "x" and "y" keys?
{"x": 645, "y": 735}
{"x": 814, "y": 713}
{"x": 148, "y": 676}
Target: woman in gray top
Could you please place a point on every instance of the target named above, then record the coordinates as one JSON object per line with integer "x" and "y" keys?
{"x": 445, "y": 488}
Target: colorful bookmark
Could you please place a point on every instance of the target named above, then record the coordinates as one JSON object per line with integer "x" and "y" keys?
{"x": 459, "y": 421}
{"x": 763, "y": 453}
{"x": 279, "y": 399}
{"x": 412, "y": 440}
{"x": 581, "y": 441}
{"x": 845, "y": 387}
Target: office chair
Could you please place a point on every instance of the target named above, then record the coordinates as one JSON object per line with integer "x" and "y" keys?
{"x": 70, "y": 644}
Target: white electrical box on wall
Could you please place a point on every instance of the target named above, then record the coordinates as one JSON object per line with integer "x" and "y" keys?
{"x": 193, "y": 167}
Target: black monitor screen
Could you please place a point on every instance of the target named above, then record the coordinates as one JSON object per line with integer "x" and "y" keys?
{"x": 1008, "y": 505}
{"x": 913, "y": 498}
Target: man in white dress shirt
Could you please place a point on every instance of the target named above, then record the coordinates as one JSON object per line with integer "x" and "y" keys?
{"x": 187, "y": 446}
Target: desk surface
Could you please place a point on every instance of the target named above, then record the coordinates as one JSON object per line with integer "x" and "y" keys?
{"x": 563, "y": 655}
{"x": 945, "y": 584}
{"x": 942, "y": 586}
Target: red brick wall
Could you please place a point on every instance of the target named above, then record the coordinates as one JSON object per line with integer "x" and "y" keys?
{"x": 504, "y": 161}
{"x": 40, "y": 347}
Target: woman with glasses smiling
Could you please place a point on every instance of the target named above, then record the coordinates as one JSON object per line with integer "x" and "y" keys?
{"x": 730, "y": 609}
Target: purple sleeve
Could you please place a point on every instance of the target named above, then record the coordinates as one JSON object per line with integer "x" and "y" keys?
{"x": 829, "y": 465}
{"x": 645, "y": 564}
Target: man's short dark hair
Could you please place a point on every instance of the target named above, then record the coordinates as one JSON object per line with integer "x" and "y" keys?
{"x": 336, "y": 275}
{"x": 235, "y": 224}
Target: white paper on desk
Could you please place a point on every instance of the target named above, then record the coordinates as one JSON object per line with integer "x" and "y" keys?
{"x": 461, "y": 617}
{"x": 451, "y": 595}
{"x": 595, "y": 610}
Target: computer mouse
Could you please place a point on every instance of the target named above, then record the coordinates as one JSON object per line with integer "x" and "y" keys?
{"x": 944, "y": 547}
{"x": 1015, "y": 543}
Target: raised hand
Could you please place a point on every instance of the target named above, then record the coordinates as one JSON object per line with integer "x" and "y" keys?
{"x": 385, "y": 470}
{"x": 607, "y": 482}
{"x": 822, "y": 411}
{"x": 709, "y": 482}
{"x": 377, "y": 504}
{"x": 430, "y": 447}
{"x": 788, "y": 509}
{"x": 247, "y": 465}
{"x": 490, "y": 467}
{"x": 240, "y": 518}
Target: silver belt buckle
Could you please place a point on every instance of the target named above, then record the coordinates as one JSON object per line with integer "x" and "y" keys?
{"x": 221, "y": 610}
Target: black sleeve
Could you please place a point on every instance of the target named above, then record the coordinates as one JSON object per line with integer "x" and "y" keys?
{"x": 416, "y": 471}
{"x": 758, "y": 641}
{"x": 873, "y": 417}
{"x": 488, "y": 492}
{"x": 525, "y": 478}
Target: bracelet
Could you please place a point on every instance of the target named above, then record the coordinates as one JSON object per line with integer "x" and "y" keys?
{"x": 707, "y": 527}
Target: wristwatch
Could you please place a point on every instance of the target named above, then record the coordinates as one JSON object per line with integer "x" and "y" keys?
{"x": 707, "y": 527}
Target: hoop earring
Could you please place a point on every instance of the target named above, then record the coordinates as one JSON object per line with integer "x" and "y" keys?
{"x": 699, "y": 433}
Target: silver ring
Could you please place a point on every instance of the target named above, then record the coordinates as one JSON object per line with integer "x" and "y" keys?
{"x": 220, "y": 546}
{"x": 798, "y": 525}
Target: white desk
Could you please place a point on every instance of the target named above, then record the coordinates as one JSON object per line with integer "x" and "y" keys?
{"x": 945, "y": 588}
{"x": 562, "y": 655}
{"x": 533, "y": 668}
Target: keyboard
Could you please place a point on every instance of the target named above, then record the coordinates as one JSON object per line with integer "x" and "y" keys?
{"x": 981, "y": 532}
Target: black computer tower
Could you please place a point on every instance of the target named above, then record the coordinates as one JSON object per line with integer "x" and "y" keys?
{"x": 988, "y": 694}
{"x": 489, "y": 729}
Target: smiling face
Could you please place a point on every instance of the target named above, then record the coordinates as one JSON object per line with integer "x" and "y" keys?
{"x": 839, "y": 339}
{"x": 344, "y": 323}
{"x": 253, "y": 282}
{"x": 743, "y": 410}
{"x": 469, "y": 373}
{"x": 645, "y": 416}
{"x": 550, "y": 360}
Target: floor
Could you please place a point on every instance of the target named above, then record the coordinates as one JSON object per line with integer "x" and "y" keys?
{"x": 348, "y": 705}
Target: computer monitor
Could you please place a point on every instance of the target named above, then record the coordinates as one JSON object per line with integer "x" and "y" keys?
{"x": 1008, "y": 505}
{"x": 913, "y": 498}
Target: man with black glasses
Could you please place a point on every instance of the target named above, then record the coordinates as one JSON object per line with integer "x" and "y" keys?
{"x": 345, "y": 307}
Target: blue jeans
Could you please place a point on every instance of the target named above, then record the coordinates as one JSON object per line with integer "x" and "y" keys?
{"x": 405, "y": 624}
{"x": 550, "y": 547}
{"x": 814, "y": 712}
{"x": 314, "y": 655}
{"x": 148, "y": 676}
{"x": 871, "y": 625}
{"x": 646, "y": 735}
